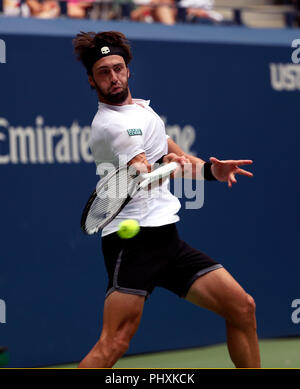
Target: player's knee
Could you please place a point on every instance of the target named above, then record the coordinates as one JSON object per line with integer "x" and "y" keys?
{"x": 247, "y": 315}
{"x": 244, "y": 314}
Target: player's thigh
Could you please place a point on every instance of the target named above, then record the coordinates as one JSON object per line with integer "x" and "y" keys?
{"x": 219, "y": 292}
{"x": 122, "y": 313}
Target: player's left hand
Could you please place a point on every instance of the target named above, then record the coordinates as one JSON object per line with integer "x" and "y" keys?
{"x": 225, "y": 171}
{"x": 180, "y": 159}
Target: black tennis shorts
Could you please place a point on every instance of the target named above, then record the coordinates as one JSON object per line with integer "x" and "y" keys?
{"x": 156, "y": 256}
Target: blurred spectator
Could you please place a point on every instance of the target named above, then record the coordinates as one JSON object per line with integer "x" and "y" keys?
{"x": 297, "y": 7}
{"x": 15, "y": 8}
{"x": 142, "y": 12}
{"x": 161, "y": 11}
{"x": 45, "y": 9}
{"x": 78, "y": 9}
{"x": 11, "y": 7}
{"x": 165, "y": 11}
{"x": 105, "y": 9}
{"x": 201, "y": 10}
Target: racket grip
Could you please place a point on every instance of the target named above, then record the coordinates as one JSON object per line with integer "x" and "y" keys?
{"x": 162, "y": 171}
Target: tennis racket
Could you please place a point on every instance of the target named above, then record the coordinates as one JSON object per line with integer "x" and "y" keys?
{"x": 114, "y": 192}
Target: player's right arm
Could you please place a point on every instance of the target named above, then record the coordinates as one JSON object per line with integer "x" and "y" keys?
{"x": 140, "y": 163}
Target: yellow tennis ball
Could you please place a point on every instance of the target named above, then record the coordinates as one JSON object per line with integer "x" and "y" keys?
{"x": 128, "y": 228}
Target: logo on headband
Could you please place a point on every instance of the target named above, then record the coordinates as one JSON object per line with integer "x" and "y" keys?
{"x": 105, "y": 50}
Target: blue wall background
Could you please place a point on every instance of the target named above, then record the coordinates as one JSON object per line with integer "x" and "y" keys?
{"x": 216, "y": 80}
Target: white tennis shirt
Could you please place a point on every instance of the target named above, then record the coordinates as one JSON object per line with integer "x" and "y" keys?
{"x": 118, "y": 134}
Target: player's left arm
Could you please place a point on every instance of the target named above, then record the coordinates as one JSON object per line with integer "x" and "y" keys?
{"x": 223, "y": 171}
{"x": 196, "y": 164}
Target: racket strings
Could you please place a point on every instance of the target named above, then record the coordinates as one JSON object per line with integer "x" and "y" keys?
{"x": 110, "y": 197}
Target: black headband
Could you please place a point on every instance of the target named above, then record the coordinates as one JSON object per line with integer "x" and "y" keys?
{"x": 105, "y": 51}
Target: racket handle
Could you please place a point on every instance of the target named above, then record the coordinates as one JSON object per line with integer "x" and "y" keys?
{"x": 161, "y": 171}
{"x": 158, "y": 173}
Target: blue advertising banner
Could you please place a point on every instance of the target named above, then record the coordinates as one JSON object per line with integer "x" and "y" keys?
{"x": 229, "y": 92}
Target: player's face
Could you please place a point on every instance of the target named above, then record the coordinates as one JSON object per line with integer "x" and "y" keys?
{"x": 110, "y": 78}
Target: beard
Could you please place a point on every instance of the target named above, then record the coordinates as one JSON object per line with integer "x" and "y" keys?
{"x": 114, "y": 98}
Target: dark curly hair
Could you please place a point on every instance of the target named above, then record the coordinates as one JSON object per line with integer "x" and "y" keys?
{"x": 86, "y": 43}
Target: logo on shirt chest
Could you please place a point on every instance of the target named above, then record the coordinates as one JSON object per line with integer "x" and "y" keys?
{"x": 134, "y": 131}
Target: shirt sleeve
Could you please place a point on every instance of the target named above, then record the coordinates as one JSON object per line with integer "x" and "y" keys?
{"x": 124, "y": 143}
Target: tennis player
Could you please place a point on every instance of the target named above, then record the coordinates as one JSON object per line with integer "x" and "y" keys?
{"x": 128, "y": 128}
